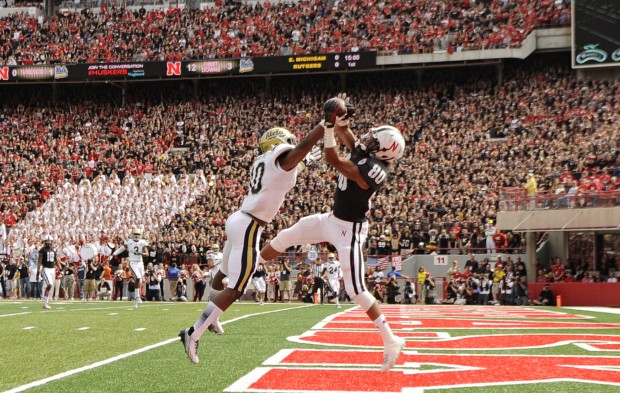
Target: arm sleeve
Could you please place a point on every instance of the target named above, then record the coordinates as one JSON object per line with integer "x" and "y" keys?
{"x": 119, "y": 250}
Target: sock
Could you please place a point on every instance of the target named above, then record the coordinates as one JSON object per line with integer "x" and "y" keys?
{"x": 384, "y": 329}
{"x": 212, "y": 312}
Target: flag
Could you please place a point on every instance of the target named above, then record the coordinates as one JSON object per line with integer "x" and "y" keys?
{"x": 382, "y": 262}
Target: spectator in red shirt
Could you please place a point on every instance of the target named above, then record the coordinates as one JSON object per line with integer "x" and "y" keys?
{"x": 557, "y": 270}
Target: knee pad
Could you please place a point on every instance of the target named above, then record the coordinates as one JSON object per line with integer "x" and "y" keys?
{"x": 365, "y": 300}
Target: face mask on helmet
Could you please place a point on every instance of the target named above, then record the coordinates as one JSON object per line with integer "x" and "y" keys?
{"x": 276, "y": 136}
{"x": 135, "y": 234}
{"x": 47, "y": 240}
{"x": 385, "y": 143}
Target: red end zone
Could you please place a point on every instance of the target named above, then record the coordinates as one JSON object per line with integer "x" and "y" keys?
{"x": 441, "y": 371}
{"x": 349, "y": 370}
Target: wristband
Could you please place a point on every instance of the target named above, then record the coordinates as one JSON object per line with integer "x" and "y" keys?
{"x": 329, "y": 140}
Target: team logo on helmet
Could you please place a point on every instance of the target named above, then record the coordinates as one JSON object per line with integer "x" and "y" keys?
{"x": 276, "y": 136}
{"x": 385, "y": 143}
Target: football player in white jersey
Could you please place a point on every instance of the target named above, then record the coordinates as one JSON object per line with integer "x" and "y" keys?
{"x": 332, "y": 270}
{"x": 272, "y": 175}
{"x": 361, "y": 175}
{"x": 137, "y": 249}
{"x": 214, "y": 260}
{"x": 216, "y": 257}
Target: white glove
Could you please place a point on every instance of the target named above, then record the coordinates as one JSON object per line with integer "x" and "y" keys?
{"x": 314, "y": 155}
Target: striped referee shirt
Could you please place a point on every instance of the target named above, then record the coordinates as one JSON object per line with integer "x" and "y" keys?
{"x": 317, "y": 269}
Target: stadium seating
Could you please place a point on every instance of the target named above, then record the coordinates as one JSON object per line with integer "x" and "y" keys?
{"x": 113, "y": 34}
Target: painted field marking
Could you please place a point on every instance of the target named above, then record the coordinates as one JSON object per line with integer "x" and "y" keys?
{"x": 28, "y": 328}
{"x": 139, "y": 329}
{"x": 295, "y": 370}
{"x": 13, "y": 315}
{"x": 84, "y": 328}
{"x": 128, "y": 354}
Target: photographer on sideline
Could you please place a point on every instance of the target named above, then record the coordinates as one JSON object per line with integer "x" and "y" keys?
{"x": 180, "y": 292}
{"x": 285, "y": 280}
{"x": 104, "y": 292}
{"x": 153, "y": 278}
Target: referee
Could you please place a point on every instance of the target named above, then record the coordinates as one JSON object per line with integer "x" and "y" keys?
{"x": 319, "y": 283}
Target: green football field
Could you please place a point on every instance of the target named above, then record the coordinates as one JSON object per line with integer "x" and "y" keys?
{"x": 112, "y": 347}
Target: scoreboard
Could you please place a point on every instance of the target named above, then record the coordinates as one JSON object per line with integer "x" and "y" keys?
{"x": 317, "y": 62}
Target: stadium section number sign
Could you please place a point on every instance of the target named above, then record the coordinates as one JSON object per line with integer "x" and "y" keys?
{"x": 189, "y": 68}
{"x": 596, "y": 33}
{"x": 440, "y": 260}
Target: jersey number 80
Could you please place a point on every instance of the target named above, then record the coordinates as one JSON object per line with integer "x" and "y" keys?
{"x": 376, "y": 173}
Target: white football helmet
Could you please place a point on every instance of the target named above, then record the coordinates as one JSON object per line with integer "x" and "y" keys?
{"x": 47, "y": 240}
{"x": 385, "y": 143}
{"x": 135, "y": 234}
{"x": 276, "y": 136}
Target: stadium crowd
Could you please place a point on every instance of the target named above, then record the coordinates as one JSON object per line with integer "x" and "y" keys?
{"x": 467, "y": 140}
{"x": 449, "y": 180}
{"x": 233, "y": 30}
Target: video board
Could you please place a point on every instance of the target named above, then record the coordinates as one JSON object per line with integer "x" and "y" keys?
{"x": 595, "y": 33}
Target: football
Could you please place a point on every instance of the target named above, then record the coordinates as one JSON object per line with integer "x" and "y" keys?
{"x": 334, "y": 108}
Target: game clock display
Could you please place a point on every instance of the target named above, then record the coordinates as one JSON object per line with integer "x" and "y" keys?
{"x": 315, "y": 62}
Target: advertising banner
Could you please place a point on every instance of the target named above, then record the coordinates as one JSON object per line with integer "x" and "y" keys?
{"x": 189, "y": 68}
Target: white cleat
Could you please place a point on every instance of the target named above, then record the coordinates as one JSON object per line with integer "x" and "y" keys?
{"x": 391, "y": 353}
{"x": 191, "y": 346}
{"x": 216, "y": 327}
{"x": 46, "y": 306}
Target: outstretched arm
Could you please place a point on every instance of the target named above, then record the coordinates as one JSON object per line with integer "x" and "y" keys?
{"x": 346, "y": 135}
{"x": 292, "y": 158}
{"x": 345, "y": 166}
{"x": 119, "y": 250}
{"x": 342, "y": 126}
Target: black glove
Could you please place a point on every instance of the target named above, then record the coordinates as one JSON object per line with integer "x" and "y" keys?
{"x": 350, "y": 110}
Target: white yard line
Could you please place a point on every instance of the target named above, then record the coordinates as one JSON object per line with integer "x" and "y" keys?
{"x": 128, "y": 354}
{"x": 608, "y": 310}
{"x": 13, "y": 315}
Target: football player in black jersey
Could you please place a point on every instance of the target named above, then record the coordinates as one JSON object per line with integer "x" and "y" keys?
{"x": 48, "y": 260}
{"x": 361, "y": 174}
